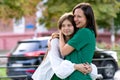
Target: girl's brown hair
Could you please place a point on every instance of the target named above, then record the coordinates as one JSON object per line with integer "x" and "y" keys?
{"x": 69, "y": 17}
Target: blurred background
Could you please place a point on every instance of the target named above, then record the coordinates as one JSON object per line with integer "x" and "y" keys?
{"x": 23, "y": 19}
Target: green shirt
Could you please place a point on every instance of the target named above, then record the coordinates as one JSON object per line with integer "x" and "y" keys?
{"x": 83, "y": 43}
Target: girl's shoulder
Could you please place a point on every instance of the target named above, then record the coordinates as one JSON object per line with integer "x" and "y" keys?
{"x": 54, "y": 40}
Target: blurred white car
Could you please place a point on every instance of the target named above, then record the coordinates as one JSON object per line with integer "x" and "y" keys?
{"x": 117, "y": 75}
{"x": 30, "y": 52}
{"x": 106, "y": 61}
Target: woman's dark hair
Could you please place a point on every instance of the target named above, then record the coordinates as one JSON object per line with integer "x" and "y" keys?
{"x": 69, "y": 17}
{"x": 88, "y": 12}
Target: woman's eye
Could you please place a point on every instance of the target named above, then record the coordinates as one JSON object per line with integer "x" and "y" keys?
{"x": 69, "y": 25}
{"x": 79, "y": 16}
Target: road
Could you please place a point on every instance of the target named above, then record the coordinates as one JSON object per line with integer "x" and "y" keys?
{"x": 3, "y": 60}
{"x": 3, "y": 57}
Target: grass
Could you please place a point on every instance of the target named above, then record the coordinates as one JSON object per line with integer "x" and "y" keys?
{"x": 3, "y": 70}
{"x": 3, "y": 74}
{"x": 117, "y": 49}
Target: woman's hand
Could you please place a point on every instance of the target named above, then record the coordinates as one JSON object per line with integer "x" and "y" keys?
{"x": 88, "y": 67}
{"x": 84, "y": 68}
{"x": 55, "y": 35}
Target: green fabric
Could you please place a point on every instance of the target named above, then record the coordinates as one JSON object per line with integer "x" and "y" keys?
{"x": 84, "y": 43}
{"x": 55, "y": 77}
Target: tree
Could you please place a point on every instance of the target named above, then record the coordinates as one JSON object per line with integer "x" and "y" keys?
{"x": 104, "y": 10}
{"x": 117, "y": 22}
{"x": 17, "y": 8}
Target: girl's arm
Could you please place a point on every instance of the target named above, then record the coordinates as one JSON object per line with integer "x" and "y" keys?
{"x": 65, "y": 49}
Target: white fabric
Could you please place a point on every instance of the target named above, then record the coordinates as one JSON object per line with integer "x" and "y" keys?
{"x": 117, "y": 75}
{"x": 53, "y": 64}
{"x": 62, "y": 68}
{"x": 44, "y": 71}
{"x": 94, "y": 72}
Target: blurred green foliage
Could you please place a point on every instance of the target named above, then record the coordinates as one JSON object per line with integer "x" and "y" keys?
{"x": 117, "y": 21}
{"x": 104, "y": 10}
{"x": 17, "y": 8}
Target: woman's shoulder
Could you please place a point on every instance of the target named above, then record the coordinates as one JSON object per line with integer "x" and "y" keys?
{"x": 84, "y": 30}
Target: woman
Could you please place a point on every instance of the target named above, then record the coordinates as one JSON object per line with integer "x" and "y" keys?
{"x": 80, "y": 48}
{"x": 54, "y": 62}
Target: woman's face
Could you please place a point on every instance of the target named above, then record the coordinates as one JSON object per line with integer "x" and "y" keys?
{"x": 79, "y": 18}
{"x": 67, "y": 28}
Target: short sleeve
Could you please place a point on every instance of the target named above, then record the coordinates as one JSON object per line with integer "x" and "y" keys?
{"x": 80, "y": 39}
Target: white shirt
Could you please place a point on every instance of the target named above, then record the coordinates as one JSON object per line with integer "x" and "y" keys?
{"x": 53, "y": 64}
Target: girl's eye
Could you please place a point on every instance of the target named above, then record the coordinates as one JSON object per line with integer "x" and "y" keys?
{"x": 69, "y": 25}
{"x": 63, "y": 26}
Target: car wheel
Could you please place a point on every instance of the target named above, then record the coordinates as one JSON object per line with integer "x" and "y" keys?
{"x": 110, "y": 69}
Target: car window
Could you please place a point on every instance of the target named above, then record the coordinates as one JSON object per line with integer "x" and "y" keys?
{"x": 27, "y": 47}
{"x": 31, "y": 46}
{"x": 43, "y": 45}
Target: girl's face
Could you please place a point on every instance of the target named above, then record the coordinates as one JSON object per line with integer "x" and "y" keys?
{"x": 67, "y": 28}
{"x": 79, "y": 18}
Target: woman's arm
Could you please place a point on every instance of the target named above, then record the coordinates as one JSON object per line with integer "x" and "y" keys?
{"x": 80, "y": 39}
